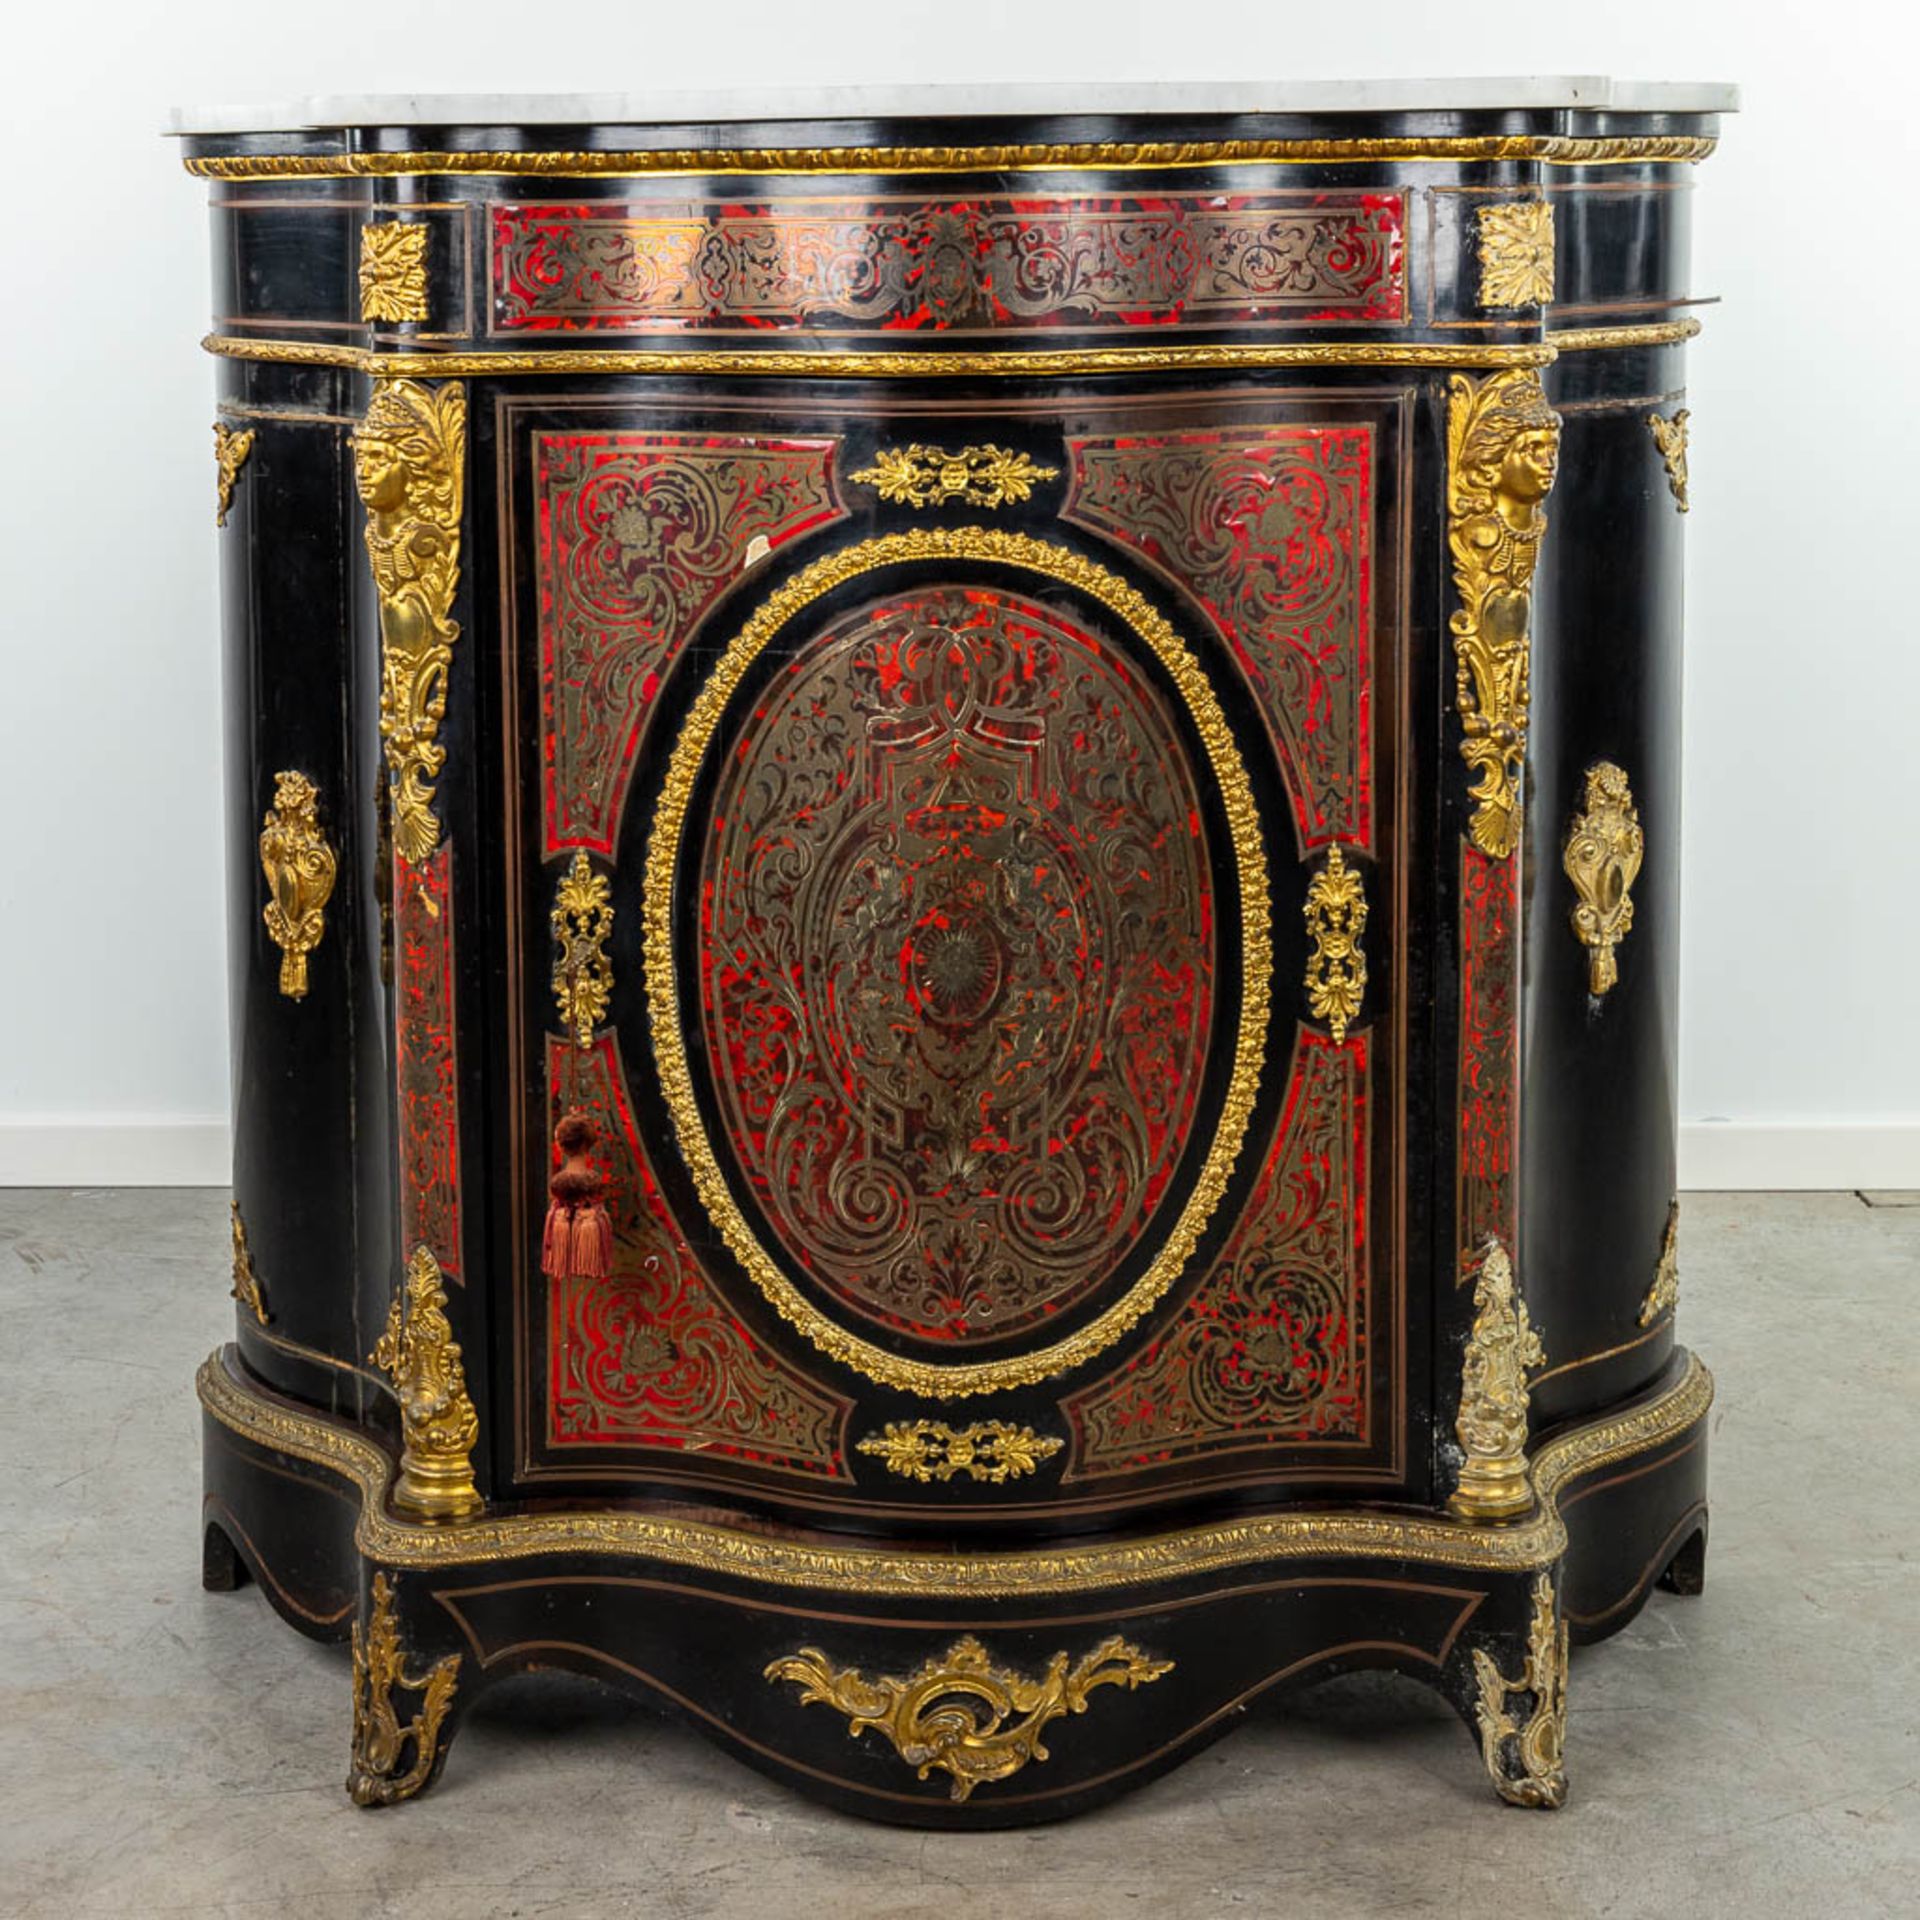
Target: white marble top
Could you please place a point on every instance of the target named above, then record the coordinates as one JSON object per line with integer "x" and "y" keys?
{"x": 1591, "y": 92}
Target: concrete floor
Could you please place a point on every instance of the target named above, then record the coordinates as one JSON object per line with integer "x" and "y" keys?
{"x": 1753, "y": 1752}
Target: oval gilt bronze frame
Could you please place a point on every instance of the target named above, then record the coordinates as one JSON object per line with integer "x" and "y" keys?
{"x": 993, "y": 546}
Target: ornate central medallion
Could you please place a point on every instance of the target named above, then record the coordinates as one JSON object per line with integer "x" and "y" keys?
{"x": 955, "y": 981}
{"x": 956, "y": 959}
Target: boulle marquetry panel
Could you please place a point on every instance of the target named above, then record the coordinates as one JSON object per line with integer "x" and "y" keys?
{"x": 639, "y": 533}
{"x": 954, "y": 1024}
{"x": 951, "y": 265}
{"x": 956, "y": 960}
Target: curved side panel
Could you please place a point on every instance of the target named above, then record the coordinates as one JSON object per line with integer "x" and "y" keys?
{"x": 1600, "y": 1053}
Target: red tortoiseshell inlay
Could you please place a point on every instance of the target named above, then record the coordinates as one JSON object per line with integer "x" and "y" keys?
{"x": 1271, "y": 529}
{"x": 1489, "y": 1046}
{"x": 650, "y": 1357}
{"x": 957, "y": 959}
{"x": 424, "y": 1064}
{"x": 976, "y": 265}
{"x": 1272, "y": 1349}
{"x": 639, "y": 534}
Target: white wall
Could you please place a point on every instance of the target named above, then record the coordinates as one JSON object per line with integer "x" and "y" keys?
{"x": 1801, "y": 1019}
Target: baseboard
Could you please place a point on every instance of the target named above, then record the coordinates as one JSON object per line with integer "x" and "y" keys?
{"x": 1759, "y": 1156}
{"x": 136, "y": 1150}
{"x": 1732, "y": 1155}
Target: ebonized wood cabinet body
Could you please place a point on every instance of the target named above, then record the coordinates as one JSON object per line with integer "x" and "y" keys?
{"x": 988, "y": 699}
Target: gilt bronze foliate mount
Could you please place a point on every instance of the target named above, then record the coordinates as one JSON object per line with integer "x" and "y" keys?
{"x": 1502, "y": 1347}
{"x": 1602, "y": 856}
{"x": 300, "y": 867}
{"x": 438, "y": 1424}
{"x": 376, "y": 1777}
{"x": 1503, "y": 446}
{"x": 961, "y": 1713}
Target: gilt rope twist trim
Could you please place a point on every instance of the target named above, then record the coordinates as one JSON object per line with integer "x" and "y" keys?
{"x": 1536, "y": 1541}
{"x": 1563, "y": 150}
{"x": 933, "y": 363}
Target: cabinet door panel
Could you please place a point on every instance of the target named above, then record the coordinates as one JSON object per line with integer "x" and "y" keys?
{"x": 1001, "y": 1071}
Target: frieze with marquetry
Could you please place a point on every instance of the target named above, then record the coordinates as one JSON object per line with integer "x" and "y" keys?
{"x": 979, "y": 265}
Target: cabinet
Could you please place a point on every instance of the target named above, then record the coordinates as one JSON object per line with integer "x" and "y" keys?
{"x": 968, "y": 722}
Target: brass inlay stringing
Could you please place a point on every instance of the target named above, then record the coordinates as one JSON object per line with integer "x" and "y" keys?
{"x": 438, "y": 1424}
{"x": 944, "y": 1379}
{"x": 300, "y": 869}
{"x": 934, "y": 363}
{"x": 1604, "y": 849}
{"x": 393, "y": 270}
{"x": 246, "y": 1283}
{"x": 582, "y": 918}
{"x": 1670, "y": 437}
{"x": 777, "y": 1559}
{"x": 376, "y": 1778}
{"x": 1516, "y": 254}
{"x": 1566, "y": 150}
{"x": 1663, "y": 1296}
{"x": 1492, "y": 1422}
{"x": 230, "y": 450}
{"x": 921, "y": 476}
{"x": 409, "y": 458}
{"x": 1503, "y": 444}
{"x": 1336, "y": 914}
{"x": 1658, "y": 333}
{"x": 989, "y": 1450}
{"x": 1524, "y": 1758}
{"x": 931, "y": 1715}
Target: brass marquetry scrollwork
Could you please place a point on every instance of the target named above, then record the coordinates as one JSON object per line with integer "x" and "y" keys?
{"x": 1336, "y": 913}
{"x": 438, "y": 1424}
{"x": 1492, "y": 1422}
{"x": 393, "y": 271}
{"x": 582, "y": 918}
{"x": 1670, "y": 440}
{"x": 300, "y": 869}
{"x": 989, "y": 1450}
{"x": 1663, "y": 1295}
{"x": 376, "y": 1778}
{"x": 1516, "y": 254}
{"x": 920, "y": 476}
{"x": 230, "y": 449}
{"x": 957, "y": 1713}
{"x": 1604, "y": 849}
{"x": 410, "y": 464}
{"x": 1503, "y": 444}
{"x": 1524, "y": 1757}
{"x": 884, "y": 1362}
{"x": 246, "y": 1283}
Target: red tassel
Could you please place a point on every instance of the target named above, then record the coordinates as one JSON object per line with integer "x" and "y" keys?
{"x": 577, "y": 1243}
{"x": 554, "y": 1242}
{"x": 592, "y": 1243}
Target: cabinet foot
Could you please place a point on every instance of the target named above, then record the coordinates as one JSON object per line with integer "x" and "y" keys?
{"x": 394, "y": 1761}
{"x": 1522, "y": 1719}
{"x": 1686, "y": 1572}
{"x": 221, "y": 1568}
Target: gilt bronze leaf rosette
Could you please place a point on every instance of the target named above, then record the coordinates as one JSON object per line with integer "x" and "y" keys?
{"x": 974, "y": 776}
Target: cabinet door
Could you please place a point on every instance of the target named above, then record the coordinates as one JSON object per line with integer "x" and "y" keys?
{"x": 1001, "y": 1070}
